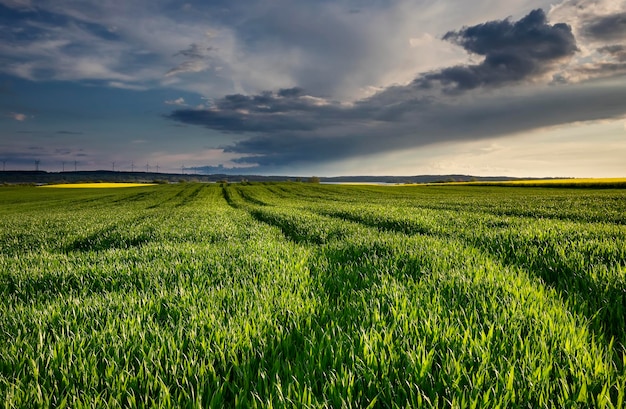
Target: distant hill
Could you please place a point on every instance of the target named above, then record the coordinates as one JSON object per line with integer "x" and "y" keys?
{"x": 42, "y": 177}
{"x": 416, "y": 179}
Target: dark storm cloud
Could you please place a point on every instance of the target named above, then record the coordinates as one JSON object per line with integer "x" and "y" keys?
{"x": 290, "y": 126}
{"x": 607, "y": 28}
{"x": 394, "y": 120}
{"x": 291, "y": 92}
{"x": 236, "y": 122}
{"x": 513, "y": 52}
{"x": 286, "y": 110}
{"x": 437, "y": 121}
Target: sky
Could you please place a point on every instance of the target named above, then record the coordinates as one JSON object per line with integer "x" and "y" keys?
{"x": 529, "y": 88}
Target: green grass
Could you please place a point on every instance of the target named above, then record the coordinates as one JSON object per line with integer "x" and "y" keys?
{"x": 301, "y": 295}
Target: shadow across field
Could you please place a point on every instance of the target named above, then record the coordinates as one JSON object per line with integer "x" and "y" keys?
{"x": 119, "y": 235}
{"x": 318, "y": 358}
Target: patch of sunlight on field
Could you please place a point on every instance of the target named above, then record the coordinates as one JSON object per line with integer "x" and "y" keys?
{"x": 99, "y": 185}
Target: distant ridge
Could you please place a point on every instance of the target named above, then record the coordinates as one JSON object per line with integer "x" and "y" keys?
{"x": 43, "y": 177}
{"x": 417, "y": 179}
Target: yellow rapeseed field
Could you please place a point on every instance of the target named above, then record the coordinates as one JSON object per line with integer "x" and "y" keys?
{"x": 583, "y": 182}
{"x": 98, "y": 185}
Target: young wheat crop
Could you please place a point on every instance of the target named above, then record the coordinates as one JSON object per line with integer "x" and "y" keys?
{"x": 308, "y": 295}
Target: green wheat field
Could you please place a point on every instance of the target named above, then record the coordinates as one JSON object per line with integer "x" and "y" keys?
{"x": 304, "y": 295}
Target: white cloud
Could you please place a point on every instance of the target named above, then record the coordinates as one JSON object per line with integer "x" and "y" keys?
{"x": 178, "y": 101}
{"x": 187, "y": 66}
{"x": 141, "y": 47}
{"x": 69, "y": 54}
{"x": 121, "y": 85}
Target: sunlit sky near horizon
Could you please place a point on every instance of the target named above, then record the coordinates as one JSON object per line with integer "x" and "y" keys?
{"x": 332, "y": 87}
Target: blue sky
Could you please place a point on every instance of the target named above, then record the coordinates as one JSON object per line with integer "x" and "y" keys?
{"x": 331, "y": 87}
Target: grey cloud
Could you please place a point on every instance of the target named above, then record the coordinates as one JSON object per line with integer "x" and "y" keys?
{"x": 285, "y": 110}
{"x": 194, "y": 51}
{"x": 398, "y": 118}
{"x": 237, "y": 122}
{"x": 220, "y": 169}
{"x": 187, "y": 66}
{"x": 25, "y": 156}
{"x": 604, "y": 69}
{"x": 606, "y": 28}
{"x": 272, "y": 152}
{"x": 441, "y": 121}
{"x": 68, "y": 133}
{"x": 614, "y": 66}
{"x": 318, "y": 46}
{"x": 618, "y": 51}
{"x": 197, "y": 60}
{"x": 291, "y": 92}
{"x": 513, "y": 52}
